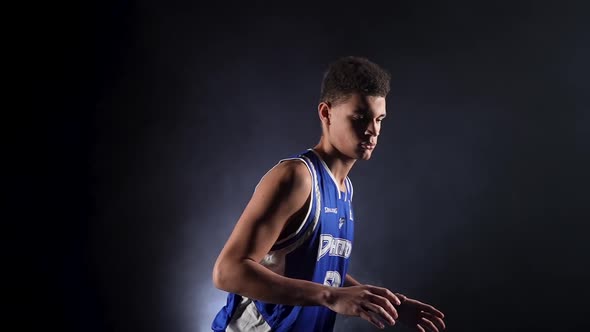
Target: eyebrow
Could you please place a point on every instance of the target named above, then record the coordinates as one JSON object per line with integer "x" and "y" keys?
{"x": 366, "y": 110}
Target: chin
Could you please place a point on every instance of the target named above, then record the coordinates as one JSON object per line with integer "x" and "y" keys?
{"x": 364, "y": 154}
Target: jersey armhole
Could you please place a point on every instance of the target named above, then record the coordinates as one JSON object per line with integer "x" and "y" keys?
{"x": 291, "y": 241}
{"x": 302, "y": 224}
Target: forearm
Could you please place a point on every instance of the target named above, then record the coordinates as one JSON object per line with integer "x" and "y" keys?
{"x": 350, "y": 281}
{"x": 250, "y": 279}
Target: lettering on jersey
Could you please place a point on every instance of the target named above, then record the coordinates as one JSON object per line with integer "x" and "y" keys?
{"x": 330, "y": 210}
{"x": 334, "y": 246}
{"x": 333, "y": 279}
{"x": 341, "y": 222}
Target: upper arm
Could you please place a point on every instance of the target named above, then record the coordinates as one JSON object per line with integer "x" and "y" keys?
{"x": 281, "y": 193}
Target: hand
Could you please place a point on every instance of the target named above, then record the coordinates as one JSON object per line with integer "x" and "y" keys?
{"x": 419, "y": 316}
{"x": 370, "y": 303}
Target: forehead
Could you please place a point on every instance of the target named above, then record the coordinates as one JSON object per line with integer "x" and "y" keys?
{"x": 366, "y": 104}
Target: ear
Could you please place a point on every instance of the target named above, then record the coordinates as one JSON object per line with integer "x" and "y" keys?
{"x": 324, "y": 112}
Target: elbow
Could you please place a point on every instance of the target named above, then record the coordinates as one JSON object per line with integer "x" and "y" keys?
{"x": 224, "y": 276}
{"x": 220, "y": 276}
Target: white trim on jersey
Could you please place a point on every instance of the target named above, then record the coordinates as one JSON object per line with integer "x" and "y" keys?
{"x": 275, "y": 260}
{"x": 310, "y": 201}
{"x": 350, "y": 187}
{"x": 347, "y": 190}
{"x": 316, "y": 216}
{"x": 329, "y": 172}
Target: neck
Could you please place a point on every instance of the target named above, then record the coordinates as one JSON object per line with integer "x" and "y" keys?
{"x": 339, "y": 164}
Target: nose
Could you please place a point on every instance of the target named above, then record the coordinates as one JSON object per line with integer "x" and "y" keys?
{"x": 372, "y": 128}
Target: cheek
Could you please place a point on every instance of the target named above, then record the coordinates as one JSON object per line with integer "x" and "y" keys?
{"x": 351, "y": 130}
{"x": 358, "y": 129}
{"x": 354, "y": 134}
{"x": 345, "y": 133}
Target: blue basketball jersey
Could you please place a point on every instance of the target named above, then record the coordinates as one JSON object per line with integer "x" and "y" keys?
{"x": 318, "y": 251}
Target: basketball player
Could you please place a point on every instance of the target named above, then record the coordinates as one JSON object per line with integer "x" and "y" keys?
{"x": 285, "y": 263}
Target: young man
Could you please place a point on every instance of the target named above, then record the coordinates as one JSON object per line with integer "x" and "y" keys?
{"x": 285, "y": 263}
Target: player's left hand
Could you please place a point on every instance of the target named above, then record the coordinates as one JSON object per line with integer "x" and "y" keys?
{"x": 419, "y": 316}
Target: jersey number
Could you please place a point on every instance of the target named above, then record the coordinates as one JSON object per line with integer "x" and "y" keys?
{"x": 333, "y": 279}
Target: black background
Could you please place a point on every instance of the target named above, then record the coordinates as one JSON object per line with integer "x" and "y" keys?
{"x": 154, "y": 121}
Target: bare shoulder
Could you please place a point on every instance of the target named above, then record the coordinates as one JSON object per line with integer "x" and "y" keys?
{"x": 292, "y": 175}
{"x": 281, "y": 193}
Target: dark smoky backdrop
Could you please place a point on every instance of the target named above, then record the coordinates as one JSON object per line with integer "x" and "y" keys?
{"x": 156, "y": 120}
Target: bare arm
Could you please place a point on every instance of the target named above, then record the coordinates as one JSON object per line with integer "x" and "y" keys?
{"x": 280, "y": 194}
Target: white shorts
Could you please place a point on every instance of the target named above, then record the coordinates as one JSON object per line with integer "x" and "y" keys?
{"x": 247, "y": 318}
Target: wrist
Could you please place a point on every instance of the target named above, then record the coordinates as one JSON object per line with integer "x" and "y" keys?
{"x": 326, "y": 295}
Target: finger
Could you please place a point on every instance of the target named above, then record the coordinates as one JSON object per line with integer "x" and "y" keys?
{"x": 371, "y": 307}
{"x": 401, "y": 296}
{"x": 386, "y": 293}
{"x": 430, "y": 309}
{"x": 384, "y": 303}
{"x": 436, "y": 320}
{"x": 420, "y": 328}
{"x": 371, "y": 319}
{"x": 428, "y": 324}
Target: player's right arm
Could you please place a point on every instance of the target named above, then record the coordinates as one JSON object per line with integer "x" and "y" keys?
{"x": 281, "y": 193}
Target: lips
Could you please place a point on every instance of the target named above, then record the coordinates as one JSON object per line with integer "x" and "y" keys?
{"x": 368, "y": 146}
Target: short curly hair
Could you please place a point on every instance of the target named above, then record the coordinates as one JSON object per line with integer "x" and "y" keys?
{"x": 352, "y": 74}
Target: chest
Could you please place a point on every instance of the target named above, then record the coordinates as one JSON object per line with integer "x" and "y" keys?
{"x": 336, "y": 215}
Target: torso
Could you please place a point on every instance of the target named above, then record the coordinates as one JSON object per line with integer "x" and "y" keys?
{"x": 315, "y": 245}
